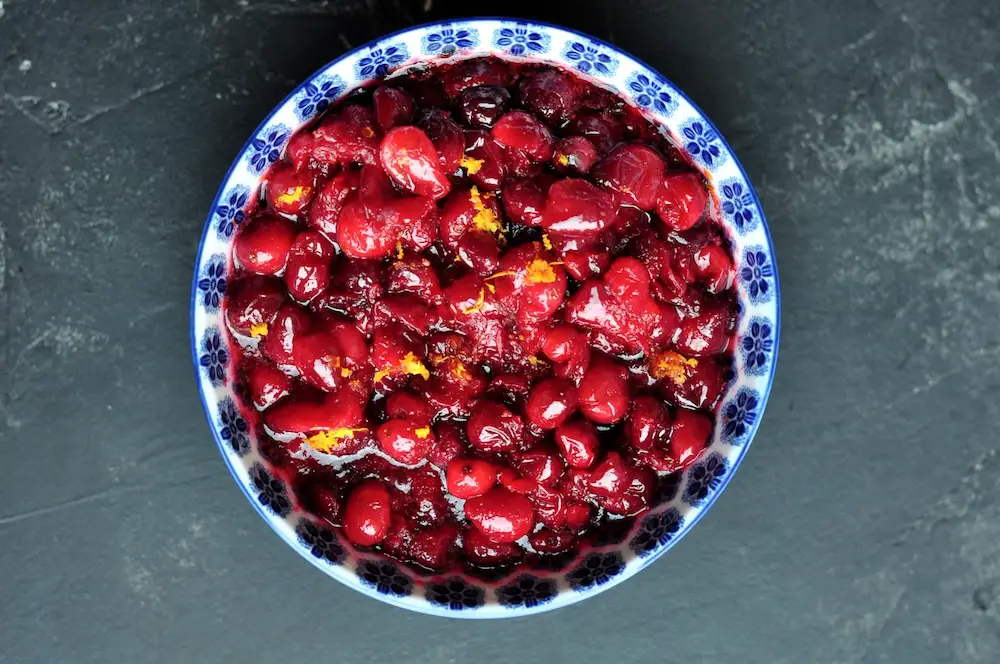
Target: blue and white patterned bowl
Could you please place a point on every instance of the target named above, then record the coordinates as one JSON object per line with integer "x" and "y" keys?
{"x": 620, "y": 552}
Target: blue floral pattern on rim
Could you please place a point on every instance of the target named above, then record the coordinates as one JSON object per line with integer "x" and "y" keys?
{"x": 455, "y": 593}
{"x": 321, "y": 542}
{"x": 739, "y": 415}
{"x": 596, "y": 570}
{"x": 656, "y": 530}
{"x": 384, "y": 577}
{"x": 449, "y": 39}
{"x": 651, "y": 93}
{"x": 271, "y": 492}
{"x": 213, "y": 283}
{"x": 214, "y": 356}
{"x": 703, "y": 144}
{"x": 738, "y": 205}
{"x": 756, "y": 346}
{"x": 230, "y": 214}
{"x": 380, "y": 61}
{"x": 527, "y": 591}
{"x": 590, "y": 58}
{"x": 234, "y": 429}
{"x": 316, "y": 96}
{"x": 704, "y": 478}
{"x": 266, "y": 147}
{"x": 756, "y": 275}
{"x": 519, "y": 39}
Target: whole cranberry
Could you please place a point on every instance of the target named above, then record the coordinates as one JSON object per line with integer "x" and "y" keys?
{"x": 266, "y": 384}
{"x": 481, "y": 550}
{"x": 577, "y": 442}
{"x": 574, "y": 154}
{"x": 405, "y": 405}
{"x": 648, "y": 426}
{"x": 551, "y": 403}
{"x": 550, "y": 541}
{"x": 393, "y": 107}
{"x": 511, "y": 389}
{"x": 411, "y": 160}
{"x": 405, "y": 441}
{"x": 318, "y": 358}
{"x": 583, "y": 265}
{"x": 550, "y": 94}
{"x": 322, "y": 501}
{"x": 611, "y": 477}
{"x": 367, "y": 514}
{"x": 603, "y": 134}
{"x": 503, "y": 516}
{"x": 416, "y": 276}
{"x": 484, "y": 161}
{"x": 361, "y": 237}
{"x": 336, "y": 410}
{"x": 540, "y": 465}
{"x": 493, "y": 428}
{"x": 329, "y": 201}
{"x": 474, "y": 73}
{"x": 308, "y": 271}
{"x": 291, "y": 323}
{"x": 707, "y": 333}
{"x": 251, "y": 304}
{"x": 262, "y": 245}
{"x": 449, "y": 445}
{"x": 690, "y": 436}
{"x": 577, "y": 208}
{"x": 634, "y": 172}
{"x": 577, "y": 516}
{"x": 521, "y": 131}
{"x": 562, "y": 341}
{"x": 700, "y": 388}
{"x": 288, "y": 190}
{"x": 467, "y": 478}
{"x": 524, "y": 199}
{"x": 299, "y": 150}
{"x": 351, "y": 137}
{"x": 434, "y": 548}
{"x": 604, "y": 394}
{"x": 447, "y": 137}
{"x": 681, "y": 200}
{"x": 482, "y": 105}
{"x": 714, "y": 268}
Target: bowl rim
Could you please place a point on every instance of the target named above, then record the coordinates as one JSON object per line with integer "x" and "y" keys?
{"x": 688, "y": 524}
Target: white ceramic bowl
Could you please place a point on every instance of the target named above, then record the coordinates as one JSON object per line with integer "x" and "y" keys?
{"x": 618, "y": 553}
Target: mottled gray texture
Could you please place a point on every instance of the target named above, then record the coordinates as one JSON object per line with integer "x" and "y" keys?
{"x": 864, "y": 526}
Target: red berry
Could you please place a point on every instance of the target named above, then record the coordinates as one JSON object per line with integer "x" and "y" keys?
{"x": 288, "y": 190}
{"x": 361, "y": 237}
{"x": 523, "y": 132}
{"x": 611, "y": 477}
{"x": 648, "y": 426}
{"x": 481, "y": 550}
{"x": 252, "y": 303}
{"x": 469, "y": 477}
{"x": 551, "y": 403}
{"x": 405, "y": 405}
{"x": 392, "y": 107}
{"x": 707, "y": 333}
{"x": 690, "y": 436}
{"x": 323, "y": 502}
{"x": 524, "y": 199}
{"x": 411, "y": 160}
{"x": 433, "y": 549}
{"x": 307, "y": 273}
{"x": 501, "y": 515}
{"x": 267, "y": 384}
{"x": 577, "y": 442}
{"x": 337, "y": 410}
{"x": 634, "y": 172}
{"x": 574, "y": 154}
{"x": 681, "y": 201}
{"x": 299, "y": 150}
{"x": 447, "y": 137}
{"x": 350, "y": 137}
{"x": 405, "y": 441}
{"x": 714, "y": 267}
{"x": 330, "y": 200}
{"x": 604, "y": 393}
{"x": 493, "y": 428}
{"x": 472, "y": 73}
{"x": 367, "y": 514}
{"x": 290, "y": 324}
{"x": 482, "y": 105}
{"x": 262, "y": 245}
{"x": 484, "y": 160}
{"x": 576, "y": 208}
{"x": 540, "y": 465}
{"x": 550, "y": 94}
{"x": 548, "y": 541}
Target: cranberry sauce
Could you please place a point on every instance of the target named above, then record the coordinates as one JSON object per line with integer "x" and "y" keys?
{"x": 483, "y": 310}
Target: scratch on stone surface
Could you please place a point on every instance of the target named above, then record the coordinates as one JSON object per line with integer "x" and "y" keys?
{"x": 149, "y": 313}
{"x": 135, "y": 96}
{"x": 864, "y": 39}
{"x": 65, "y": 339}
{"x": 3, "y": 257}
{"x": 344, "y": 40}
{"x": 318, "y": 8}
{"x": 68, "y": 504}
{"x": 141, "y": 581}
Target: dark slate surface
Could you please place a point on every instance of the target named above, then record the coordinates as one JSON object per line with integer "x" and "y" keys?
{"x": 865, "y": 524}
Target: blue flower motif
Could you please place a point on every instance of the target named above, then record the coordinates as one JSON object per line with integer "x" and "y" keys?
{"x": 321, "y": 542}
{"x": 230, "y": 212}
{"x": 757, "y": 344}
{"x": 738, "y": 205}
{"x": 702, "y": 143}
{"x": 739, "y": 415}
{"x": 213, "y": 282}
{"x": 379, "y": 61}
{"x": 456, "y": 594}
{"x": 271, "y": 492}
{"x": 519, "y": 39}
{"x": 449, "y": 40}
{"x": 527, "y": 591}
{"x": 596, "y": 570}
{"x": 652, "y": 93}
{"x": 214, "y": 356}
{"x": 656, "y": 530}
{"x": 704, "y": 478}
{"x": 234, "y": 429}
{"x": 317, "y": 96}
{"x": 590, "y": 59}
{"x": 384, "y": 577}
{"x": 756, "y": 275}
{"x": 266, "y": 147}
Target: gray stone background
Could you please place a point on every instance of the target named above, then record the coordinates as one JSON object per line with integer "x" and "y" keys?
{"x": 864, "y": 527}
